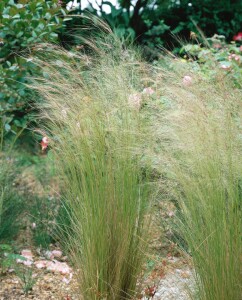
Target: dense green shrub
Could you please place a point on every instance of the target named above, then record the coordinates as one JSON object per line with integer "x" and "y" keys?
{"x": 153, "y": 22}
{"x": 214, "y": 54}
{"x": 23, "y": 25}
{"x": 221, "y": 17}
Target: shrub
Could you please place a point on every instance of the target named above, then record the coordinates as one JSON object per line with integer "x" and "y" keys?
{"x": 214, "y": 54}
{"x": 152, "y": 22}
{"x": 97, "y": 134}
{"x": 23, "y": 25}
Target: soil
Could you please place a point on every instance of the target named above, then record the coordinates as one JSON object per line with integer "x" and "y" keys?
{"x": 170, "y": 283}
{"x": 48, "y": 286}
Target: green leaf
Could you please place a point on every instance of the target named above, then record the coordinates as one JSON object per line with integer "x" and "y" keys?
{"x": 5, "y": 247}
{"x": 19, "y": 34}
{"x": 46, "y": 75}
{"x": 7, "y": 127}
{"x": 15, "y": 256}
{"x": 19, "y": 5}
{"x": 53, "y": 35}
{"x": 17, "y": 16}
{"x": 48, "y": 16}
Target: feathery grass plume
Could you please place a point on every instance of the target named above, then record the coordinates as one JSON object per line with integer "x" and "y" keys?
{"x": 201, "y": 138}
{"x": 97, "y": 137}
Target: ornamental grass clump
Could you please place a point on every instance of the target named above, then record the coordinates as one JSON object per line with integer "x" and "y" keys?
{"x": 202, "y": 147}
{"x": 97, "y": 136}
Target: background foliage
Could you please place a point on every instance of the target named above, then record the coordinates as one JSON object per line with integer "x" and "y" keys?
{"x": 23, "y": 25}
{"x": 152, "y": 22}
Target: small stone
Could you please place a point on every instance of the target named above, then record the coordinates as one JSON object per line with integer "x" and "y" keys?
{"x": 64, "y": 258}
{"x": 48, "y": 254}
{"x": 56, "y": 266}
{"x": 57, "y": 253}
{"x": 40, "y": 264}
{"x": 27, "y": 254}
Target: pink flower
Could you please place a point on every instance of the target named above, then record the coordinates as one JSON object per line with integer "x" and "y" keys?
{"x": 240, "y": 48}
{"x": 171, "y": 214}
{"x": 64, "y": 113}
{"x": 187, "y": 80}
{"x": 44, "y": 143}
{"x": 225, "y": 67}
{"x": 135, "y": 100}
{"x": 217, "y": 46}
{"x": 234, "y": 56}
{"x": 238, "y": 37}
{"x": 148, "y": 91}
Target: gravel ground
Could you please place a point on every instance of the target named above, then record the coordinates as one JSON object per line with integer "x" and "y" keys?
{"x": 170, "y": 285}
{"x": 174, "y": 286}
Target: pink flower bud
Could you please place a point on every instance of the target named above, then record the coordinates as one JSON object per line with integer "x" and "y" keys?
{"x": 225, "y": 67}
{"x": 64, "y": 113}
{"x": 187, "y": 80}
{"x": 217, "y": 46}
{"x": 135, "y": 100}
{"x": 148, "y": 91}
{"x": 238, "y": 37}
{"x": 44, "y": 143}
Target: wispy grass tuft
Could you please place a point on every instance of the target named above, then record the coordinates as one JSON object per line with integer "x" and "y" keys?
{"x": 97, "y": 136}
{"x": 202, "y": 146}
